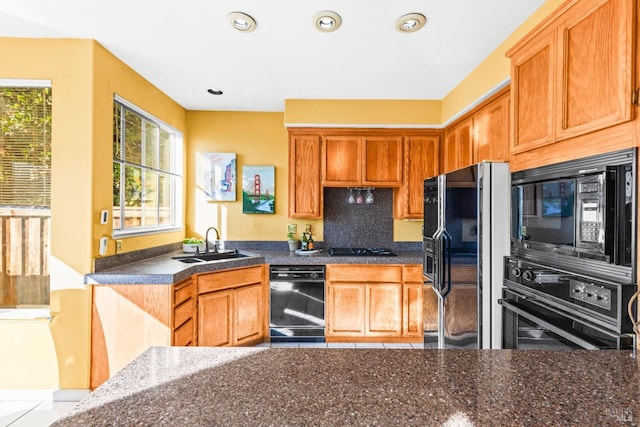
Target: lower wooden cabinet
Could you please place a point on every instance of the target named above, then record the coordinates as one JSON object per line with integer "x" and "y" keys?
{"x": 232, "y": 307}
{"x": 374, "y": 303}
{"x": 127, "y": 319}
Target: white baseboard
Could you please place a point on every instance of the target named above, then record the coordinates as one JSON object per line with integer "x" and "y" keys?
{"x": 66, "y": 395}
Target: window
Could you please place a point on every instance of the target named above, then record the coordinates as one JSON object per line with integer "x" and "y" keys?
{"x": 25, "y": 195}
{"x": 147, "y": 172}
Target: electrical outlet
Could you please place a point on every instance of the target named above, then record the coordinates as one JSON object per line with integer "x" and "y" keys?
{"x": 292, "y": 228}
{"x": 102, "y": 249}
{"x": 307, "y": 228}
{"x": 118, "y": 246}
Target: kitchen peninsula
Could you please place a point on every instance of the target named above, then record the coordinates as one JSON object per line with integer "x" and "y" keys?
{"x": 271, "y": 386}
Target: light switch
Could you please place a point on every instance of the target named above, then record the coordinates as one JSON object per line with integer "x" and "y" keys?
{"x": 104, "y": 216}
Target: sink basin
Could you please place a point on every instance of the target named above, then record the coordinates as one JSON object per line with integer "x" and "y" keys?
{"x": 211, "y": 256}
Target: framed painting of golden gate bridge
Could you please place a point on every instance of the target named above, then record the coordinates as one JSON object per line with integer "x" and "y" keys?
{"x": 258, "y": 189}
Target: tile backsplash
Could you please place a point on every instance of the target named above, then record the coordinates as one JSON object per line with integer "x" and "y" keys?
{"x": 358, "y": 225}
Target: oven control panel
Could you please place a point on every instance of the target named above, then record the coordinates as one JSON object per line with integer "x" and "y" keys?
{"x": 590, "y": 293}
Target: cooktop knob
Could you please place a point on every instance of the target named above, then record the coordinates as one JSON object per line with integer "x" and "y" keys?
{"x": 516, "y": 272}
{"x": 529, "y": 275}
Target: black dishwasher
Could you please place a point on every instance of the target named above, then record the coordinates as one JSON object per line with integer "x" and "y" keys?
{"x": 297, "y": 303}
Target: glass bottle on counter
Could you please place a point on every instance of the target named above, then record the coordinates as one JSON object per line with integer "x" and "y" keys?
{"x": 305, "y": 242}
{"x": 310, "y": 243}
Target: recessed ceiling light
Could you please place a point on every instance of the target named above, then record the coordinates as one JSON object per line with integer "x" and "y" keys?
{"x": 241, "y": 22}
{"x": 410, "y": 22}
{"x": 327, "y": 21}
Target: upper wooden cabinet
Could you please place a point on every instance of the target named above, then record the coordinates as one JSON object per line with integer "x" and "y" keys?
{"x": 398, "y": 158}
{"x": 342, "y": 161}
{"x": 382, "y": 161}
{"x": 491, "y": 130}
{"x": 573, "y": 74}
{"x": 351, "y": 161}
{"x": 459, "y": 146}
{"x": 305, "y": 191}
{"x": 421, "y": 161}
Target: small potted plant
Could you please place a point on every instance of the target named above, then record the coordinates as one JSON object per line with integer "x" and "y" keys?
{"x": 294, "y": 243}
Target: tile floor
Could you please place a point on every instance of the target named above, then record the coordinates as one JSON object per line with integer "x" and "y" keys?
{"x": 34, "y": 413}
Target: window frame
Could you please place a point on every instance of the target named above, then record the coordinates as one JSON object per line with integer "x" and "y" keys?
{"x": 176, "y": 174}
{"x": 31, "y": 311}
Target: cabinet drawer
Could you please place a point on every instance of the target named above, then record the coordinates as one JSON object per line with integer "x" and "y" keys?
{"x": 184, "y": 334}
{"x": 412, "y": 273}
{"x": 182, "y": 292}
{"x": 230, "y": 278}
{"x": 365, "y": 273}
{"x": 183, "y": 312}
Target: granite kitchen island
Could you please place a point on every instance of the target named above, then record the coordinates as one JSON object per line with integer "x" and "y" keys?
{"x": 205, "y": 386}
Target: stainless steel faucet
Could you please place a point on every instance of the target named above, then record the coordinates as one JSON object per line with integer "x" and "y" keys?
{"x": 206, "y": 240}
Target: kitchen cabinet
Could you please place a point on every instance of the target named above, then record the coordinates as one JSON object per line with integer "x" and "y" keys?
{"x": 232, "y": 307}
{"x": 373, "y": 303}
{"x": 398, "y": 158}
{"x": 362, "y": 160}
{"x": 305, "y": 191}
{"x": 421, "y": 161}
{"x": 491, "y": 130}
{"x": 413, "y": 301}
{"x": 459, "y": 146}
{"x": 162, "y": 315}
{"x": 342, "y": 160}
{"x": 573, "y": 74}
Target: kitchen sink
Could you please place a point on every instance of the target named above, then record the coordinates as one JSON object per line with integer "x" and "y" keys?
{"x": 210, "y": 256}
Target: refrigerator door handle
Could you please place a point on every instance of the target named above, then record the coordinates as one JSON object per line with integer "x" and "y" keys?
{"x": 445, "y": 285}
{"x": 437, "y": 265}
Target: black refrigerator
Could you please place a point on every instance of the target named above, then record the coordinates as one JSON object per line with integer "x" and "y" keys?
{"x": 465, "y": 239}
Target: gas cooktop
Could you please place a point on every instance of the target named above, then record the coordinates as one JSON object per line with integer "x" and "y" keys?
{"x": 360, "y": 252}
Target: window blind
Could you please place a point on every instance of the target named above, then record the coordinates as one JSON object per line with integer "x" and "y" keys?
{"x": 25, "y": 147}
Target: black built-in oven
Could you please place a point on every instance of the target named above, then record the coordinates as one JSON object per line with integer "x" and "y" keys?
{"x": 550, "y": 308}
{"x": 578, "y": 215}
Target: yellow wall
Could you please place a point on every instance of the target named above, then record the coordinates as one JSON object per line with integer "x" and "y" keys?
{"x": 358, "y": 112}
{"x": 55, "y": 354}
{"x": 258, "y": 139}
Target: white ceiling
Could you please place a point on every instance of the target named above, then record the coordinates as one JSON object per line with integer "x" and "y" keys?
{"x": 185, "y": 47}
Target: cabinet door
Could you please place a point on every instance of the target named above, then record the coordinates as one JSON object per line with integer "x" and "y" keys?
{"x": 491, "y": 125}
{"x": 384, "y": 309}
{"x": 382, "y": 161}
{"x": 305, "y": 191}
{"x": 215, "y": 321}
{"x": 532, "y": 77}
{"x": 595, "y": 54}
{"x": 412, "y": 310}
{"x": 346, "y": 309}
{"x": 421, "y": 161}
{"x": 459, "y": 146}
{"x": 342, "y": 161}
{"x": 248, "y": 314}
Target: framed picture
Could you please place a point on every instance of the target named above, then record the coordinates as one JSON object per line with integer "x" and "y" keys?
{"x": 258, "y": 189}
{"x": 216, "y": 176}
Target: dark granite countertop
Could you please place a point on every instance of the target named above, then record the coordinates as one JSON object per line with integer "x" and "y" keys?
{"x": 164, "y": 270}
{"x": 338, "y": 387}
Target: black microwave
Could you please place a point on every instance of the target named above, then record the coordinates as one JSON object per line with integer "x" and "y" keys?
{"x": 578, "y": 214}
